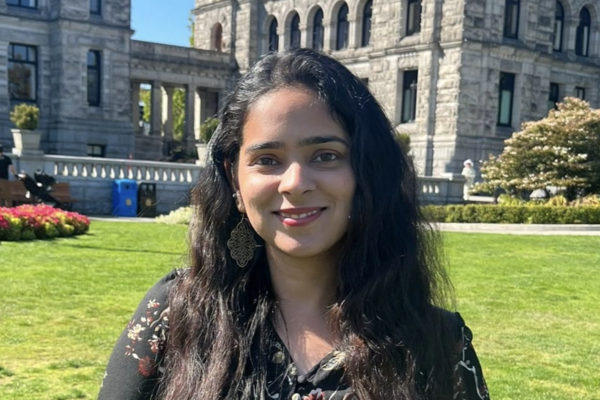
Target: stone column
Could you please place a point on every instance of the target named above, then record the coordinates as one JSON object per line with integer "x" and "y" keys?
{"x": 570, "y": 34}
{"x": 353, "y": 34}
{"x": 156, "y": 109}
{"x": 190, "y": 117}
{"x": 304, "y": 42}
{"x": 328, "y": 35}
{"x": 282, "y": 37}
{"x": 167, "y": 112}
{"x": 199, "y": 111}
{"x": 135, "y": 107}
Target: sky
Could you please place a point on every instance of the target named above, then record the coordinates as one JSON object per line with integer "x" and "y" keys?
{"x": 161, "y": 21}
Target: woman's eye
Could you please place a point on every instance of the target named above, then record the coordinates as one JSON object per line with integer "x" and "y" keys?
{"x": 325, "y": 157}
{"x": 265, "y": 161}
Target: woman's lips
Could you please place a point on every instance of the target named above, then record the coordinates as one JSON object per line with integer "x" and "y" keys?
{"x": 299, "y": 216}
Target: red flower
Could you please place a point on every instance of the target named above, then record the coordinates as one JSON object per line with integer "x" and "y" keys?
{"x": 146, "y": 366}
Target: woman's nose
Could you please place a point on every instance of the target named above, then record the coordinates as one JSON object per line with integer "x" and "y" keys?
{"x": 296, "y": 180}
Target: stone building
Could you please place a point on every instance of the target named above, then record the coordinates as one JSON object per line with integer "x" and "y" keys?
{"x": 76, "y": 61}
{"x": 458, "y": 75}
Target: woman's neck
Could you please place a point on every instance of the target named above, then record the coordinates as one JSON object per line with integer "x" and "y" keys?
{"x": 306, "y": 283}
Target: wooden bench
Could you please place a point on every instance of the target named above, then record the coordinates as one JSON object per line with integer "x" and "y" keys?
{"x": 18, "y": 194}
{"x": 62, "y": 193}
{"x": 5, "y": 194}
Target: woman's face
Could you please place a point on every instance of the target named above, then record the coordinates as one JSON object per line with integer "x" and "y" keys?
{"x": 294, "y": 178}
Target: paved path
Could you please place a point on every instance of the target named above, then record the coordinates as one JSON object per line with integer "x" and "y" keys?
{"x": 522, "y": 229}
{"x": 511, "y": 229}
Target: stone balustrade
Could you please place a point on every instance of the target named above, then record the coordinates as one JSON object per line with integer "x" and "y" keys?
{"x": 91, "y": 180}
{"x": 141, "y": 49}
{"x": 104, "y": 168}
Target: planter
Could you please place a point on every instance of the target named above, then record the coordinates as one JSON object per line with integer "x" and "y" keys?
{"x": 202, "y": 150}
{"x": 26, "y": 141}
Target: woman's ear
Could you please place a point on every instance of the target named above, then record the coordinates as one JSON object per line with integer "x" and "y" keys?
{"x": 233, "y": 182}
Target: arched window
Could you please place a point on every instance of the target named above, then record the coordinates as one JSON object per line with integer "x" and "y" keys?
{"x": 342, "y": 28}
{"x": 273, "y": 36}
{"x": 366, "y": 23}
{"x": 582, "y": 40}
{"x": 217, "y": 41}
{"x": 318, "y": 36}
{"x": 413, "y": 17}
{"x": 512, "y": 11}
{"x": 295, "y": 32}
{"x": 559, "y": 25}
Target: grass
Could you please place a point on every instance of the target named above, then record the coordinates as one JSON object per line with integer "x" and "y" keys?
{"x": 533, "y": 303}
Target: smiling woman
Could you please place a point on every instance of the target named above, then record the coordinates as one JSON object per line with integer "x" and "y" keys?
{"x": 339, "y": 292}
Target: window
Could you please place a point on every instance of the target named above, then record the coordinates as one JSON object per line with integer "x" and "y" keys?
{"x": 342, "y": 28}
{"x": 273, "y": 36}
{"x": 96, "y": 7}
{"x": 318, "y": 37}
{"x": 366, "y": 23}
{"x": 409, "y": 95}
{"x": 96, "y": 150}
{"x": 22, "y": 72}
{"x": 217, "y": 35}
{"x": 295, "y": 35}
{"x": 505, "y": 100}
{"x": 93, "y": 78}
{"x": 559, "y": 26}
{"x": 511, "y": 18}
{"x": 582, "y": 39}
{"x": 413, "y": 17}
{"x": 580, "y": 92}
{"x": 22, "y": 3}
{"x": 553, "y": 97}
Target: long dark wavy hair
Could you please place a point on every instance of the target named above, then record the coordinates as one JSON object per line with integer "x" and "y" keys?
{"x": 399, "y": 345}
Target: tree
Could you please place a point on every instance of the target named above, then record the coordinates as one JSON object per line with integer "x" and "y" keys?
{"x": 178, "y": 110}
{"x": 561, "y": 150}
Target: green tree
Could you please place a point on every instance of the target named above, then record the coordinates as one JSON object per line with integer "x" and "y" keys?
{"x": 561, "y": 150}
{"x": 178, "y": 114}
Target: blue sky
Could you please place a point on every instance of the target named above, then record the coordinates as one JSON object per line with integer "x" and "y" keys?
{"x": 161, "y": 21}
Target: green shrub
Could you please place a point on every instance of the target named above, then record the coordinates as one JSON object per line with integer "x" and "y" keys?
{"x": 501, "y": 214}
{"x": 181, "y": 216}
{"x": 207, "y": 129}
{"x": 25, "y": 116}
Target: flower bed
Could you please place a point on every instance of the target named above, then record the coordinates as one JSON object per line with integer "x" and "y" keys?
{"x": 29, "y": 222}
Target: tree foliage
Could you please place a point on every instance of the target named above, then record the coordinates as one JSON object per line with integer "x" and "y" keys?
{"x": 178, "y": 110}
{"x": 561, "y": 150}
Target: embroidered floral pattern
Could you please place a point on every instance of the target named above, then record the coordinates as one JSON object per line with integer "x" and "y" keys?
{"x": 153, "y": 321}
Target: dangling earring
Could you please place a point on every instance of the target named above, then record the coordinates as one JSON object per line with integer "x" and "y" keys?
{"x": 241, "y": 243}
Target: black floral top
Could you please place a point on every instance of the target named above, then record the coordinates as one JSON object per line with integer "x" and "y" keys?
{"x": 134, "y": 367}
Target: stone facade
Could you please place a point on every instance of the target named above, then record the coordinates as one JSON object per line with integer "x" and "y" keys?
{"x": 459, "y": 52}
{"x": 62, "y": 33}
{"x": 455, "y": 55}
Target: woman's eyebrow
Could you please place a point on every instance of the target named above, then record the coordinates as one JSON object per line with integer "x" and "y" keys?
{"x": 310, "y": 141}
{"x": 265, "y": 146}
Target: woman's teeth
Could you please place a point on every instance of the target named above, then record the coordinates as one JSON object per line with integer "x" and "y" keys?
{"x": 298, "y": 216}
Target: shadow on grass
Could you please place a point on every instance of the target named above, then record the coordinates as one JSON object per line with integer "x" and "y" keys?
{"x": 144, "y": 251}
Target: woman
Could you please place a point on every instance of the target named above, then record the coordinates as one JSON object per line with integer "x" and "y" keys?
{"x": 313, "y": 276}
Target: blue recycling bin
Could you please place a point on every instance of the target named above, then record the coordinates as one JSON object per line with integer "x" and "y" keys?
{"x": 124, "y": 198}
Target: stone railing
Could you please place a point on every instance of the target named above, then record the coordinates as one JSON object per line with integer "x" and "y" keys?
{"x": 446, "y": 189}
{"x": 151, "y": 50}
{"x": 105, "y": 168}
{"x": 91, "y": 179}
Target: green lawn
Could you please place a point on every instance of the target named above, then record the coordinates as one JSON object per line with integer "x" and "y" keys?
{"x": 533, "y": 304}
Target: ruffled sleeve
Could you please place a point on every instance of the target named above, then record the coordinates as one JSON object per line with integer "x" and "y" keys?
{"x": 470, "y": 383}
{"x": 134, "y": 367}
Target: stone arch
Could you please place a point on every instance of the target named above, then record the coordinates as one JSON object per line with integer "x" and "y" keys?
{"x": 291, "y": 19}
{"x": 336, "y": 29}
{"x": 270, "y": 21}
{"x": 359, "y": 12}
{"x": 216, "y": 37}
{"x": 310, "y": 25}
